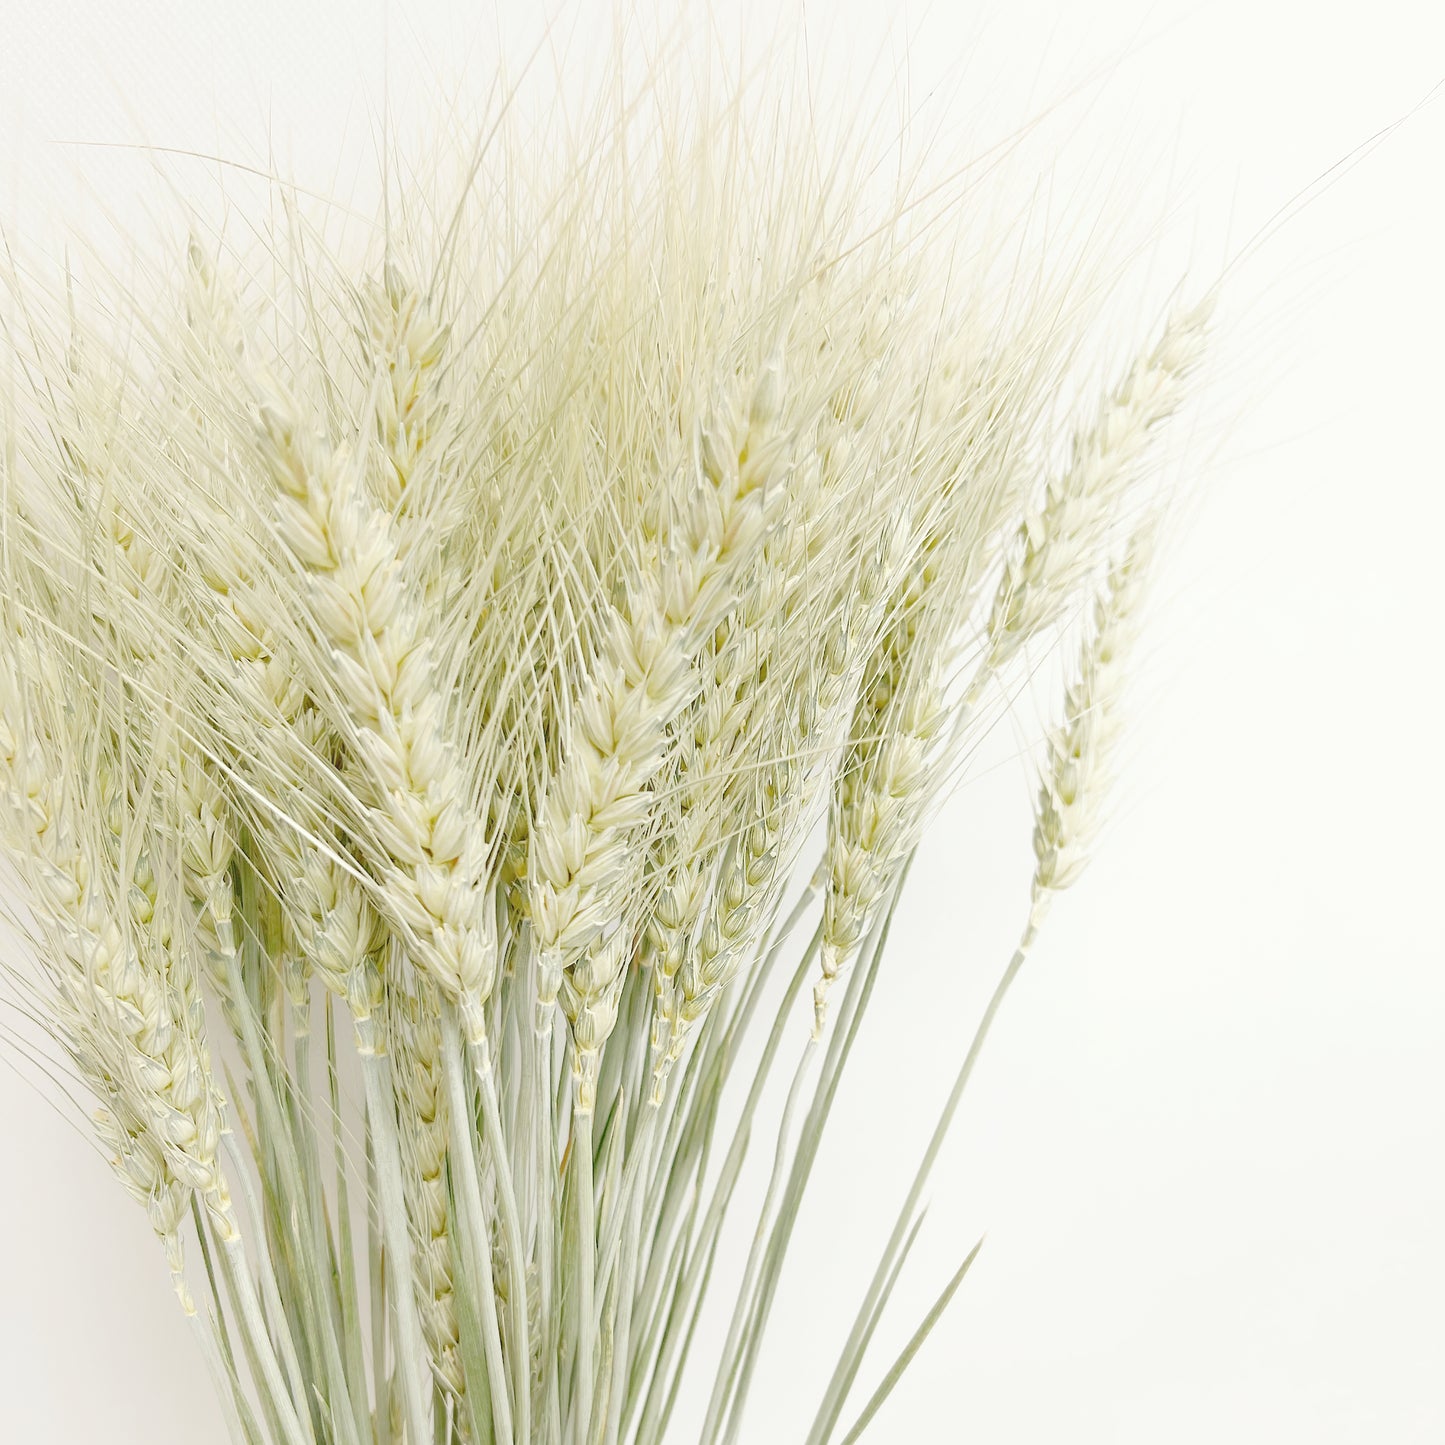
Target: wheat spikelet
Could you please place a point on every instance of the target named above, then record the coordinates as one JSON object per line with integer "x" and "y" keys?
{"x": 696, "y": 913}
{"x": 406, "y": 344}
{"x": 131, "y": 1021}
{"x": 1081, "y": 749}
{"x": 1057, "y": 545}
{"x": 977, "y": 416}
{"x": 416, "y": 1046}
{"x": 699, "y": 538}
{"x": 380, "y": 665}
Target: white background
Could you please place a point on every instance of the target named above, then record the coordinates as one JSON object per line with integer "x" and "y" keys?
{"x": 1206, "y": 1141}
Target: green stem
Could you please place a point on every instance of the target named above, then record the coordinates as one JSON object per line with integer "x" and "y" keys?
{"x": 416, "y": 1398}
{"x": 322, "y": 1267}
{"x": 378, "y": 1284}
{"x": 851, "y": 1357}
{"x": 626, "y": 1291}
{"x": 476, "y": 1243}
{"x": 249, "y": 1308}
{"x": 581, "y": 1163}
{"x": 511, "y": 1221}
{"x": 698, "y": 1269}
{"x": 728, "y": 1364}
{"x": 858, "y": 993}
{"x": 346, "y": 1282}
{"x": 905, "y": 1356}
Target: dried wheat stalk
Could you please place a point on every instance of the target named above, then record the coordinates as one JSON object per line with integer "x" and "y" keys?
{"x": 422, "y": 675}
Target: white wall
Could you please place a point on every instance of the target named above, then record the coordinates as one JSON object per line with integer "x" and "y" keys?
{"x": 1206, "y": 1142}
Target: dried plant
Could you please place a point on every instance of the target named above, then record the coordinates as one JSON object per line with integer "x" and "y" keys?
{"x": 428, "y": 675}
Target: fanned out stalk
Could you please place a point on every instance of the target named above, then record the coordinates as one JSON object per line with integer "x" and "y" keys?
{"x": 895, "y": 759}
{"x": 464, "y": 685}
{"x": 1073, "y": 781}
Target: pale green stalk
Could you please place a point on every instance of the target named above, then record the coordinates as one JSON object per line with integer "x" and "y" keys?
{"x": 271, "y": 1407}
{"x": 266, "y": 1104}
{"x": 855, "y": 1004}
{"x": 478, "y": 1247}
{"x": 351, "y": 1325}
{"x": 692, "y": 1284}
{"x": 222, "y": 1373}
{"x": 325, "y": 1311}
{"x": 511, "y": 1221}
{"x": 279, "y": 1326}
{"x": 586, "y": 1274}
{"x": 416, "y": 1397}
{"x": 626, "y": 1293}
{"x": 728, "y": 1366}
{"x": 217, "y": 1339}
{"x": 905, "y": 1356}
{"x": 255, "y": 1326}
{"x": 852, "y": 1354}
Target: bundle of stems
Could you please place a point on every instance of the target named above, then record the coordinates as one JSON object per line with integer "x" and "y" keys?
{"x": 461, "y": 695}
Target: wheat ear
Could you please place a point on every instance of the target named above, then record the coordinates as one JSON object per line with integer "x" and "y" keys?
{"x": 1057, "y": 544}
{"x": 375, "y": 657}
{"x": 702, "y": 531}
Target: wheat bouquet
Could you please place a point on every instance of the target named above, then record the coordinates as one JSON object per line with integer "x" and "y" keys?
{"x": 461, "y": 695}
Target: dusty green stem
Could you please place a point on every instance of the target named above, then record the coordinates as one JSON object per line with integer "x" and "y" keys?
{"x": 511, "y": 1221}
{"x": 586, "y": 1273}
{"x": 477, "y": 1244}
{"x": 416, "y": 1397}
{"x": 851, "y": 1357}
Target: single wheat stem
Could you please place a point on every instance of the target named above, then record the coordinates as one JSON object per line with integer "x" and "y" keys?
{"x": 279, "y": 1330}
{"x": 350, "y": 1309}
{"x": 342, "y": 1388}
{"x": 250, "y": 1309}
{"x": 416, "y": 1398}
{"x": 546, "y": 1219}
{"x": 223, "y": 1378}
{"x": 850, "y": 1358}
{"x": 905, "y": 1357}
{"x": 586, "y": 1274}
{"x": 479, "y": 1246}
{"x": 511, "y": 1221}
{"x": 855, "y": 1003}
{"x": 224, "y": 1261}
{"x": 627, "y": 1288}
{"x": 636, "y": 1150}
{"x": 730, "y": 1360}
{"x": 218, "y": 1335}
